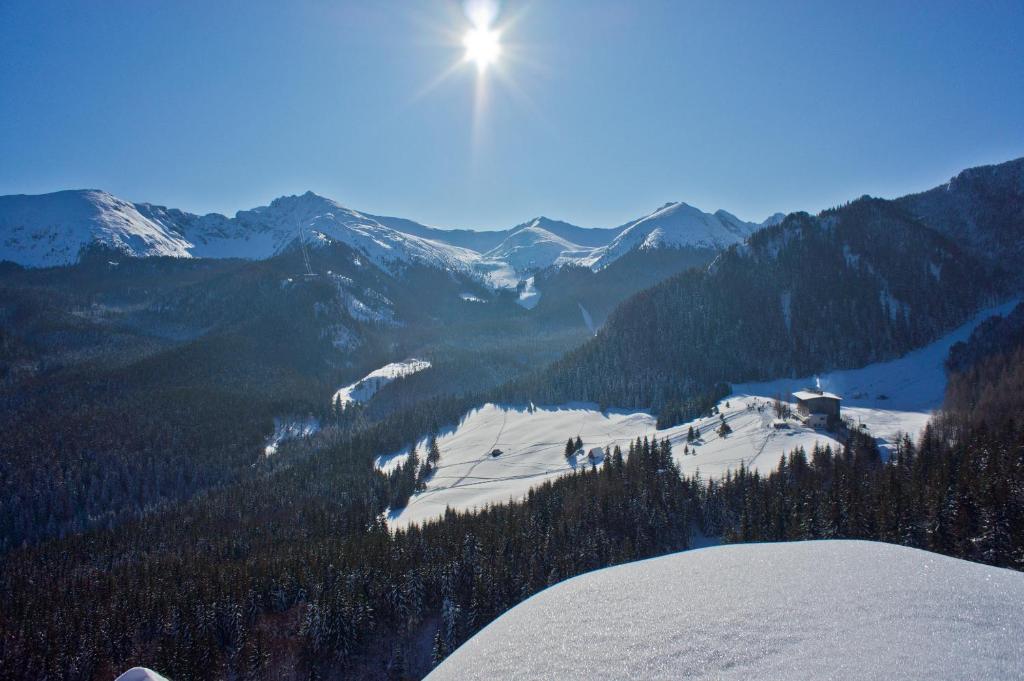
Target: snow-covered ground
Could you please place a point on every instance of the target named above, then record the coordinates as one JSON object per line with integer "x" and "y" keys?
{"x": 803, "y": 610}
{"x": 366, "y": 387}
{"x": 889, "y": 398}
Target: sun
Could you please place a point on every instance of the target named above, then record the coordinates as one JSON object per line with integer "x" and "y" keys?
{"x": 482, "y": 47}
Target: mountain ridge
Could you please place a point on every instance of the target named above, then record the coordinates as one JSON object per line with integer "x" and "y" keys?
{"x": 52, "y": 229}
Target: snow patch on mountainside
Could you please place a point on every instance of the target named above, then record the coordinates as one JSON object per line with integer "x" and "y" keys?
{"x": 290, "y": 429}
{"x": 804, "y": 610}
{"x": 529, "y": 296}
{"x": 366, "y": 387}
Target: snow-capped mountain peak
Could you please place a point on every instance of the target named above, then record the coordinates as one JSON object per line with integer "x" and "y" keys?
{"x": 532, "y": 246}
{"x": 773, "y": 219}
{"x": 52, "y": 229}
{"x": 676, "y": 225}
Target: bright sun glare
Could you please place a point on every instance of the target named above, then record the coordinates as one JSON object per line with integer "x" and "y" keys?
{"x": 482, "y": 46}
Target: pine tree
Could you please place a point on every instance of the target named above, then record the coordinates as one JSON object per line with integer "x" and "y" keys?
{"x": 433, "y": 451}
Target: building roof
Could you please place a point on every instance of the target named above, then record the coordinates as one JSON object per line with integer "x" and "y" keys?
{"x": 813, "y": 395}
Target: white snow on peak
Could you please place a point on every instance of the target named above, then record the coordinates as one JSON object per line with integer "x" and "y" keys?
{"x": 366, "y": 387}
{"x": 831, "y": 609}
{"x": 51, "y": 229}
{"x": 673, "y": 225}
{"x": 534, "y": 247}
{"x": 319, "y": 219}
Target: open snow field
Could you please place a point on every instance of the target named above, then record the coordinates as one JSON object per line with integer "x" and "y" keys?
{"x": 889, "y": 398}
{"x": 830, "y": 610}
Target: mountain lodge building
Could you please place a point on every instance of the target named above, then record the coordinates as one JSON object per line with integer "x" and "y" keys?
{"x": 817, "y": 408}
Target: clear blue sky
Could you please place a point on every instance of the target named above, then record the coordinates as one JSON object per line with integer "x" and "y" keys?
{"x": 603, "y": 111}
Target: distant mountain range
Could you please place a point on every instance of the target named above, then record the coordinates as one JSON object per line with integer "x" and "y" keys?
{"x": 53, "y": 229}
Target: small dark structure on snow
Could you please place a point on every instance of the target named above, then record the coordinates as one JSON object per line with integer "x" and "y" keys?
{"x": 817, "y": 408}
{"x": 496, "y": 452}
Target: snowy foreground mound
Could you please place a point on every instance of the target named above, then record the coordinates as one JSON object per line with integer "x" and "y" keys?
{"x": 807, "y": 610}
{"x": 140, "y": 674}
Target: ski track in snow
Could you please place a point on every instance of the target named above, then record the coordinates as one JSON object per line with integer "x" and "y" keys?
{"x": 890, "y": 398}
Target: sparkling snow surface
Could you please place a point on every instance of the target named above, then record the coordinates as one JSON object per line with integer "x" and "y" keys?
{"x": 803, "y": 610}
{"x": 368, "y": 385}
{"x": 140, "y": 674}
{"x": 889, "y": 398}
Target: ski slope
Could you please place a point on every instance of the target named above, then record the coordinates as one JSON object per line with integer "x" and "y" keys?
{"x": 803, "y": 610}
{"x": 889, "y": 399}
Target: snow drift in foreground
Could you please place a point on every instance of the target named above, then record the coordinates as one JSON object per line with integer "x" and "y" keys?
{"x": 140, "y": 674}
{"x": 804, "y": 610}
{"x": 889, "y": 398}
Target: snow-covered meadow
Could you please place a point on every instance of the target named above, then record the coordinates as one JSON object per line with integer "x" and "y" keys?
{"x": 888, "y": 398}
{"x": 803, "y": 610}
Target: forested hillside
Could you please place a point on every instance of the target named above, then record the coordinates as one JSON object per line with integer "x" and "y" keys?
{"x": 131, "y": 383}
{"x": 982, "y": 208}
